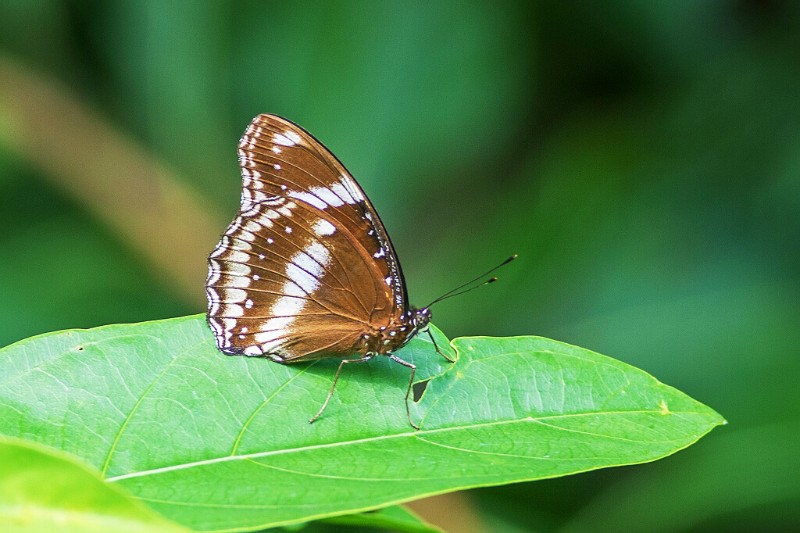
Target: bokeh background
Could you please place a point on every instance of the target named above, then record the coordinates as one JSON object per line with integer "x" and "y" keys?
{"x": 643, "y": 158}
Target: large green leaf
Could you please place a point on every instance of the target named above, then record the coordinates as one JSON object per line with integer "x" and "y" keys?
{"x": 42, "y": 489}
{"x": 217, "y": 442}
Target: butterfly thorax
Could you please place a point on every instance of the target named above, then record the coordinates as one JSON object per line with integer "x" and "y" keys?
{"x": 387, "y": 339}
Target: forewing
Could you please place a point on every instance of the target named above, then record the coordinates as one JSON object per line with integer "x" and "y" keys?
{"x": 306, "y": 266}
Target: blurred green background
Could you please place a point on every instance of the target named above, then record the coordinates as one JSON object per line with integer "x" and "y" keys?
{"x": 643, "y": 158}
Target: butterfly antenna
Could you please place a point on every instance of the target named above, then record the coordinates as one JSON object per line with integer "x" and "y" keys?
{"x": 465, "y": 287}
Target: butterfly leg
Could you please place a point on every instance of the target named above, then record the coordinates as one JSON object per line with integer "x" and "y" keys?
{"x": 335, "y": 379}
{"x": 430, "y": 334}
{"x": 413, "y": 368}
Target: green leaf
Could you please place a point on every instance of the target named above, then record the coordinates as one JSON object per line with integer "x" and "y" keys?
{"x": 220, "y": 443}
{"x": 42, "y": 489}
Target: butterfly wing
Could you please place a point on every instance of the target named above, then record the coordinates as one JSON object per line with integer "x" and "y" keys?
{"x": 306, "y": 269}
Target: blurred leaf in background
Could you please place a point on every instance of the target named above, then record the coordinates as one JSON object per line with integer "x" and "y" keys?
{"x": 643, "y": 159}
{"x": 44, "y": 489}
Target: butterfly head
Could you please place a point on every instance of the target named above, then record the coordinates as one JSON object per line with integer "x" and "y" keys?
{"x": 419, "y": 318}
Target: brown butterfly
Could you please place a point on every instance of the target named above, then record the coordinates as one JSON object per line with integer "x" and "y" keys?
{"x": 306, "y": 270}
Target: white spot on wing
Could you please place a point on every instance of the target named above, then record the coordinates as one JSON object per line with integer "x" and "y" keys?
{"x": 309, "y": 199}
{"x": 232, "y": 310}
{"x": 252, "y": 226}
{"x": 342, "y": 192}
{"x": 213, "y": 299}
{"x": 238, "y": 257}
{"x": 213, "y": 272}
{"x": 319, "y": 253}
{"x": 322, "y": 227}
{"x": 304, "y": 273}
{"x": 241, "y": 282}
{"x": 227, "y": 327}
{"x": 352, "y": 189}
{"x": 288, "y": 138}
{"x": 235, "y": 295}
{"x": 237, "y": 269}
{"x": 328, "y": 196}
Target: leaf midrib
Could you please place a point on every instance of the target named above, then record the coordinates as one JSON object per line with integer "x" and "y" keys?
{"x": 256, "y": 455}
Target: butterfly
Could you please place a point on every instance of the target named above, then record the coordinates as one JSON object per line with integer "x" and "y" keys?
{"x": 306, "y": 270}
